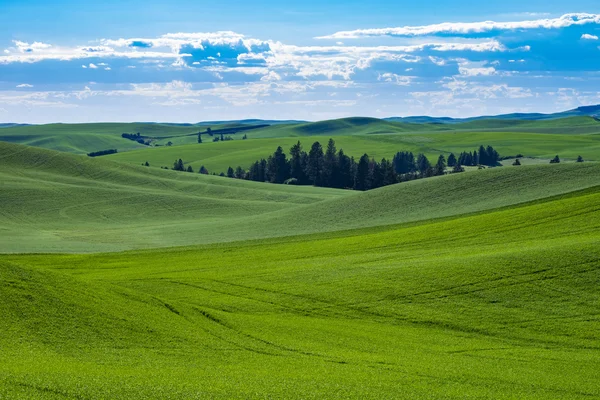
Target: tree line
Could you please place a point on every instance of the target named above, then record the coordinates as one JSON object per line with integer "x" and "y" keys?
{"x": 335, "y": 169}
{"x": 101, "y": 153}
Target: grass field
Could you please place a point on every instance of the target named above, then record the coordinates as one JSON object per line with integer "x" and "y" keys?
{"x": 217, "y": 157}
{"x": 56, "y": 202}
{"x": 85, "y": 138}
{"x": 502, "y": 304}
{"x": 119, "y": 281}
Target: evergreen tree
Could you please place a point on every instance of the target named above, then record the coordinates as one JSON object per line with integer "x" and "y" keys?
{"x": 190, "y": 169}
{"x": 440, "y": 166}
{"x": 222, "y": 138}
{"x": 362, "y": 173}
{"x": 493, "y": 156}
{"x": 376, "y": 174}
{"x": 240, "y": 173}
{"x": 458, "y": 168}
{"x": 404, "y": 162}
{"x": 423, "y": 165}
{"x": 203, "y": 170}
{"x": 199, "y": 137}
{"x": 451, "y": 160}
{"x": 476, "y": 158}
{"x": 209, "y": 131}
{"x": 484, "y": 158}
{"x": 178, "y": 165}
{"x": 277, "y": 167}
{"x": 330, "y": 166}
{"x": 555, "y": 160}
{"x": 297, "y": 164}
{"x": 262, "y": 170}
{"x": 230, "y": 172}
{"x": 517, "y": 162}
{"x": 345, "y": 168}
{"x": 314, "y": 167}
{"x": 389, "y": 175}
{"x": 147, "y": 164}
{"x": 579, "y": 159}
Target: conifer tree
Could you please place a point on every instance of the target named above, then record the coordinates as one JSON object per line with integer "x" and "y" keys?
{"x": 314, "y": 167}
{"x": 362, "y": 173}
{"x": 230, "y": 172}
{"x": 330, "y": 165}
{"x": 440, "y": 166}
{"x": 451, "y": 160}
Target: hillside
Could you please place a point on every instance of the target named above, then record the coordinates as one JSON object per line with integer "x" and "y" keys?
{"x": 217, "y": 157}
{"x": 498, "y": 305}
{"x": 60, "y": 202}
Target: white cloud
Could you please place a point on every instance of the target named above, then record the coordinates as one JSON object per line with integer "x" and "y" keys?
{"x": 400, "y": 80}
{"x": 477, "y": 71}
{"x": 107, "y": 68}
{"x": 587, "y": 36}
{"x": 24, "y": 85}
{"x": 93, "y": 66}
{"x": 466, "y": 28}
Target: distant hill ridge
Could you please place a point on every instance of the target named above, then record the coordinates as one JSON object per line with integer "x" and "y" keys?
{"x": 583, "y": 111}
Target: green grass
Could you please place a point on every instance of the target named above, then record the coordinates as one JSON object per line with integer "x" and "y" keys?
{"x": 55, "y": 202}
{"x": 217, "y": 157}
{"x": 85, "y": 138}
{"x": 502, "y": 304}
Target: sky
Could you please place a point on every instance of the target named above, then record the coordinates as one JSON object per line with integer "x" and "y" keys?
{"x": 189, "y": 61}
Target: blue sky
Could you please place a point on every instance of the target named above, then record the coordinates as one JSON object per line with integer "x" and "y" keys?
{"x": 188, "y": 61}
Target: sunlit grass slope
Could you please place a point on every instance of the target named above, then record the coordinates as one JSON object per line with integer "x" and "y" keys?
{"x": 217, "y": 157}
{"x": 56, "y": 202}
{"x": 500, "y": 305}
{"x": 60, "y": 202}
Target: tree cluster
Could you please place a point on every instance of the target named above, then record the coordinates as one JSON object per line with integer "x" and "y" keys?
{"x": 484, "y": 156}
{"x": 137, "y": 137}
{"x": 101, "y": 153}
{"x": 332, "y": 168}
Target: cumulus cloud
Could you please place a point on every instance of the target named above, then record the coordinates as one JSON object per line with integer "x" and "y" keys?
{"x": 24, "y": 85}
{"x": 469, "y": 28}
{"x": 587, "y": 36}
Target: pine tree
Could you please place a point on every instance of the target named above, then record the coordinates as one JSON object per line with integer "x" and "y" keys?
{"x": 230, "y": 172}
{"x": 190, "y": 169}
{"x": 484, "y": 156}
{"x": 330, "y": 166}
{"x": 555, "y": 160}
{"x": 458, "y": 168}
{"x": 277, "y": 167}
{"x": 203, "y": 170}
{"x": 451, "y": 160}
{"x": 199, "y": 137}
{"x": 375, "y": 177}
{"x": 362, "y": 173}
{"x": 517, "y": 162}
{"x": 389, "y": 175}
{"x": 178, "y": 165}
{"x": 314, "y": 167}
{"x": 345, "y": 168}
{"x": 579, "y": 159}
{"x": 440, "y": 166}
{"x": 296, "y": 164}
{"x": 423, "y": 165}
{"x": 240, "y": 173}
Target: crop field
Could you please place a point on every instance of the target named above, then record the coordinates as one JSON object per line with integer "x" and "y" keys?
{"x": 121, "y": 281}
{"x": 217, "y": 157}
{"x": 502, "y": 304}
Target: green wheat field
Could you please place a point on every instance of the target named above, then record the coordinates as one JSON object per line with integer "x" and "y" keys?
{"x": 125, "y": 281}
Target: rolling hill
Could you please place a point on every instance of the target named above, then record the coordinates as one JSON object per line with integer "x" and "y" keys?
{"x": 502, "y": 303}
{"x": 57, "y": 202}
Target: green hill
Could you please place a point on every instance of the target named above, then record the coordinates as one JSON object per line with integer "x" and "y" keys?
{"x": 217, "y": 157}
{"x": 56, "y": 202}
{"x": 499, "y": 305}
